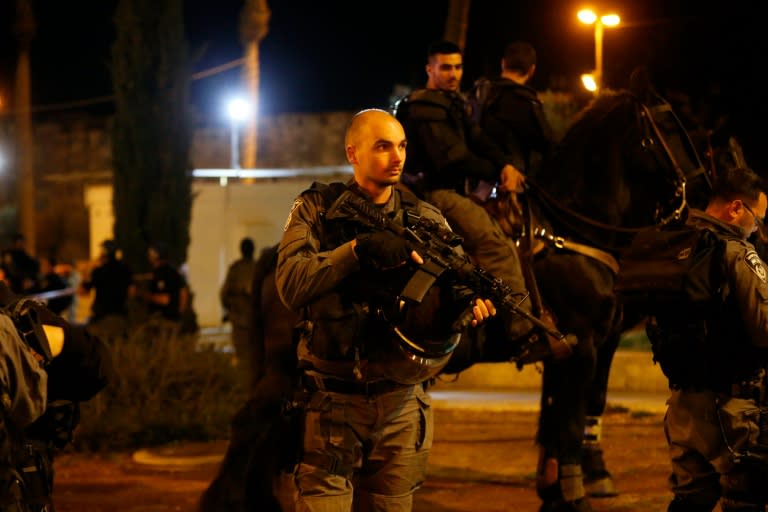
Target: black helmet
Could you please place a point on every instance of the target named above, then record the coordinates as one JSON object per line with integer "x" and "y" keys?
{"x": 423, "y": 339}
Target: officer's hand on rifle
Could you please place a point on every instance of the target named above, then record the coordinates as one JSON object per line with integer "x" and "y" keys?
{"x": 482, "y": 310}
{"x": 382, "y": 250}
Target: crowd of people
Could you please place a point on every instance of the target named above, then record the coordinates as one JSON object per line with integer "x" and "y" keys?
{"x": 109, "y": 282}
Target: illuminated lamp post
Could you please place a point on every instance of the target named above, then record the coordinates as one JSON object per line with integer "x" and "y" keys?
{"x": 589, "y": 17}
{"x": 239, "y": 110}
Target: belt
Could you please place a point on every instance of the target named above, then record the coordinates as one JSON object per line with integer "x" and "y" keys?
{"x": 349, "y": 387}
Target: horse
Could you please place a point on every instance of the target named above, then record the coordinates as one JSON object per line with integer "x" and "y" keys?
{"x": 613, "y": 173}
{"x": 626, "y": 163}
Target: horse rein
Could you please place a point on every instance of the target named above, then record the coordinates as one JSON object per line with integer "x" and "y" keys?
{"x": 647, "y": 143}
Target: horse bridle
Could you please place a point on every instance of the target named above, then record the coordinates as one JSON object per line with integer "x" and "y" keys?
{"x": 652, "y": 134}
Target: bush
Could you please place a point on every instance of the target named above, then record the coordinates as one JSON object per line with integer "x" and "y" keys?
{"x": 164, "y": 391}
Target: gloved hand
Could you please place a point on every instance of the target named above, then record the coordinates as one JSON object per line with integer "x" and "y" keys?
{"x": 381, "y": 250}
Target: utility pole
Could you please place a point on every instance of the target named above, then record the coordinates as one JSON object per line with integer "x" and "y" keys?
{"x": 254, "y": 25}
{"x": 25, "y": 31}
{"x": 457, "y": 21}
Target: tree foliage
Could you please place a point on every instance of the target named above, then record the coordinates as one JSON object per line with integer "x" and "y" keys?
{"x": 151, "y": 133}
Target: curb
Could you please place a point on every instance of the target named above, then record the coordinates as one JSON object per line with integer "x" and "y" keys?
{"x": 182, "y": 456}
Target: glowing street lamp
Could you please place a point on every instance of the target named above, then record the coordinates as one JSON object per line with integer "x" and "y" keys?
{"x": 588, "y": 81}
{"x": 589, "y": 17}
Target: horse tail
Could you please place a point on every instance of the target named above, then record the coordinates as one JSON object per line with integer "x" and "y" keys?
{"x": 265, "y": 266}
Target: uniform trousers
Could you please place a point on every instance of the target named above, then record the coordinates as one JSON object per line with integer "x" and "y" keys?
{"x": 383, "y": 440}
{"x": 705, "y": 430}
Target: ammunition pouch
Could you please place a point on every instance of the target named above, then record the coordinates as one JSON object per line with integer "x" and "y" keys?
{"x": 745, "y": 430}
{"x": 682, "y": 353}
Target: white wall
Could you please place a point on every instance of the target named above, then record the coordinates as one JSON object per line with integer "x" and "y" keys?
{"x": 221, "y": 217}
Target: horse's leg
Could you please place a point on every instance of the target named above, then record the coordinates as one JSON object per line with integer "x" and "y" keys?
{"x": 565, "y": 383}
{"x": 597, "y": 479}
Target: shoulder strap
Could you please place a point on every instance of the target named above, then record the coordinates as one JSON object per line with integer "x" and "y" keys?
{"x": 329, "y": 191}
{"x": 407, "y": 197}
{"x": 435, "y": 97}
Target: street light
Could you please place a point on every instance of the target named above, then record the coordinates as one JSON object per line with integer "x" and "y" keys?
{"x": 238, "y": 110}
{"x": 589, "y": 17}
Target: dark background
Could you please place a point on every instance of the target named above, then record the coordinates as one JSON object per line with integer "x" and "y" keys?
{"x": 346, "y": 55}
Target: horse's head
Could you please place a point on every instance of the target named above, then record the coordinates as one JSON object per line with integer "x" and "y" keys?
{"x": 625, "y": 162}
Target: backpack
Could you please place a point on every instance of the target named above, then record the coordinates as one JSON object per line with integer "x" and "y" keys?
{"x": 675, "y": 276}
{"x": 677, "y": 267}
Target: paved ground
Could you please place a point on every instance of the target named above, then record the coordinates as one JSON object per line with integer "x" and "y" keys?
{"x": 483, "y": 459}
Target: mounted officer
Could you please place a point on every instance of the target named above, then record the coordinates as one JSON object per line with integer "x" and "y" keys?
{"x": 454, "y": 165}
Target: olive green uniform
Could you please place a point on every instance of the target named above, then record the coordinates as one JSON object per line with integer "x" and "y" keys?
{"x": 366, "y": 435}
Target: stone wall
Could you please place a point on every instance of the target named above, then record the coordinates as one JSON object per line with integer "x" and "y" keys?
{"x": 75, "y": 151}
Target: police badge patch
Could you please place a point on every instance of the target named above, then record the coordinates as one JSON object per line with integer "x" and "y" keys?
{"x": 755, "y": 264}
{"x": 296, "y": 204}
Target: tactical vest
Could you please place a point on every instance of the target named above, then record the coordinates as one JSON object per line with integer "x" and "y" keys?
{"x": 361, "y": 304}
{"x": 363, "y": 322}
{"x": 433, "y": 106}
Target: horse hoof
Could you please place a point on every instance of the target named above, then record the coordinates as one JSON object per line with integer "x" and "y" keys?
{"x": 580, "y": 505}
{"x": 601, "y": 488}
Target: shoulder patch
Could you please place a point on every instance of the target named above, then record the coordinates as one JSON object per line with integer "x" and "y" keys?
{"x": 298, "y": 202}
{"x": 756, "y": 265}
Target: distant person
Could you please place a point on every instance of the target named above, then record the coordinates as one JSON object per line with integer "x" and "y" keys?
{"x": 112, "y": 281}
{"x": 21, "y": 268}
{"x": 168, "y": 294}
{"x": 235, "y": 296}
{"x": 50, "y": 281}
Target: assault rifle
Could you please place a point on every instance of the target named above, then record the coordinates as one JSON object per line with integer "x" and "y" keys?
{"x": 436, "y": 245}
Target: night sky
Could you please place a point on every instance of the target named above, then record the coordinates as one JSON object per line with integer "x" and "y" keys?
{"x": 338, "y": 55}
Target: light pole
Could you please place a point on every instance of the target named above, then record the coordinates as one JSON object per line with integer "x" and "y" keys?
{"x": 239, "y": 110}
{"x": 589, "y": 17}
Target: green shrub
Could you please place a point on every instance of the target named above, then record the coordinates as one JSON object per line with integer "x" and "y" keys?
{"x": 164, "y": 391}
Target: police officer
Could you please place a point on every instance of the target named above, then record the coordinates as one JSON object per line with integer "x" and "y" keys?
{"x": 448, "y": 155}
{"x": 717, "y": 409}
{"x": 43, "y": 377}
{"x": 510, "y": 112}
{"x": 112, "y": 281}
{"x": 368, "y": 421}
{"x": 235, "y": 296}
